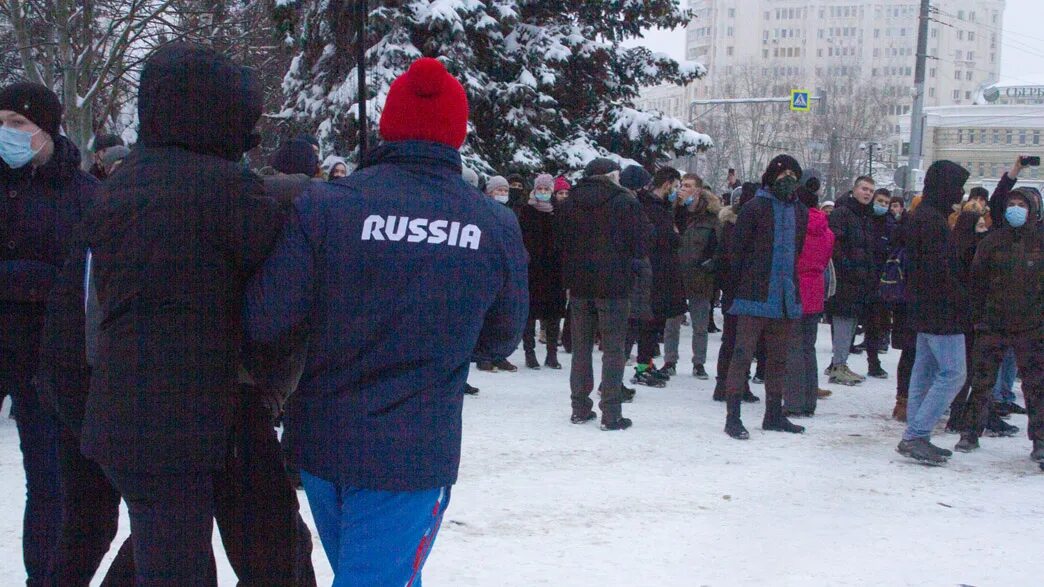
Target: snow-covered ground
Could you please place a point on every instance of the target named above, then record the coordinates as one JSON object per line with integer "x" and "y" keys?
{"x": 673, "y": 501}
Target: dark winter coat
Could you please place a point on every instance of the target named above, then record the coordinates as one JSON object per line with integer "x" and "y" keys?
{"x": 668, "y": 294}
{"x": 176, "y": 233}
{"x": 396, "y": 273}
{"x": 699, "y": 245}
{"x": 547, "y": 297}
{"x": 855, "y": 261}
{"x": 770, "y": 234}
{"x": 725, "y": 253}
{"x": 938, "y": 301}
{"x": 999, "y": 201}
{"x": 1007, "y": 280}
{"x": 601, "y": 231}
{"x": 39, "y": 208}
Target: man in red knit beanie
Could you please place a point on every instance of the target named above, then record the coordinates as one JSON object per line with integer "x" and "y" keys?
{"x": 394, "y": 276}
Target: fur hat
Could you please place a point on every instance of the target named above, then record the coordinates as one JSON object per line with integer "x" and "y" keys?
{"x": 426, "y": 104}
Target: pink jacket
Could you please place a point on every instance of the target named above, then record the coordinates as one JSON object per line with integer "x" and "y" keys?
{"x": 812, "y": 263}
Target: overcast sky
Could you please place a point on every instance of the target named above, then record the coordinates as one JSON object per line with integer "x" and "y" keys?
{"x": 1022, "y": 55}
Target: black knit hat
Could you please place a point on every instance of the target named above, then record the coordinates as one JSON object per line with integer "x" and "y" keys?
{"x": 635, "y": 177}
{"x": 105, "y": 142}
{"x": 35, "y": 102}
{"x": 601, "y": 166}
{"x": 778, "y": 165}
{"x": 296, "y": 156}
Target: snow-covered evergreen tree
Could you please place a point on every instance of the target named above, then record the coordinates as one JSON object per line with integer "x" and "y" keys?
{"x": 549, "y": 83}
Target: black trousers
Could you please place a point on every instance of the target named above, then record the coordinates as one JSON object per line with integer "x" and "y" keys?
{"x": 550, "y": 330}
{"x": 253, "y": 501}
{"x": 649, "y": 333}
{"x": 988, "y": 355}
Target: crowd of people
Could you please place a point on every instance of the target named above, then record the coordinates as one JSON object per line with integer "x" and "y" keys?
{"x": 166, "y": 310}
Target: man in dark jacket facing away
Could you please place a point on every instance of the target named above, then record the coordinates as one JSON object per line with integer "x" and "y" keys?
{"x": 181, "y": 229}
{"x": 600, "y": 228}
{"x": 396, "y": 274}
{"x": 1008, "y": 276}
{"x": 770, "y": 234}
{"x": 937, "y": 307}
{"x": 44, "y": 193}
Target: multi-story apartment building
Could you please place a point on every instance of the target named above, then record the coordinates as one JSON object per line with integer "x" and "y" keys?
{"x": 848, "y": 42}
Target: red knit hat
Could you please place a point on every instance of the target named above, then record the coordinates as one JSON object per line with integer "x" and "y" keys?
{"x": 426, "y": 104}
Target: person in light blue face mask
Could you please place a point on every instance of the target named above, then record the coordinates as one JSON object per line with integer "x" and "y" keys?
{"x": 1007, "y": 277}
{"x": 547, "y": 298}
{"x": 42, "y": 193}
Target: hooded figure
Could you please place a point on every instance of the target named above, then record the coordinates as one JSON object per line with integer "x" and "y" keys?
{"x": 296, "y": 157}
{"x": 174, "y": 240}
{"x": 1007, "y": 276}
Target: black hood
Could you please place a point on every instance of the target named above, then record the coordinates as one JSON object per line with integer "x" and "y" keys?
{"x": 197, "y": 99}
{"x": 944, "y": 185}
{"x": 593, "y": 192}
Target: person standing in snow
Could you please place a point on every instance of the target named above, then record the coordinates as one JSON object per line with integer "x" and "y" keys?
{"x": 336, "y": 169}
{"x": 1007, "y": 275}
{"x": 497, "y": 188}
{"x": 44, "y": 195}
{"x": 699, "y": 244}
{"x": 600, "y": 233}
{"x": 770, "y": 234}
{"x": 801, "y": 398}
{"x": 171, "y": 255}
{"x": 668, "y": 298}
{"x": 937, "y": 312}
{"x": 546, "y": 294}
{"x": 371, "y": 271}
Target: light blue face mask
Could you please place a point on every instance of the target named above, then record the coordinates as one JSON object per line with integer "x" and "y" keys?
{"x": 1016, "y": 216}
{"x": 16, "y": 147}
{"x": 671, "y": 197}
{"x": 880, "y": 209}
{"x": 542, "y": 197}
{"x": 688, "y": 201}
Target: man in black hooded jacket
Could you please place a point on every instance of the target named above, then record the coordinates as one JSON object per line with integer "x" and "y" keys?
{"x": 937, "y": 312}
{"x": 179, "y": 232}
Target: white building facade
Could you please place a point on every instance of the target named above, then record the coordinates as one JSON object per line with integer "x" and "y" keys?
{"x": 801, "y": 42}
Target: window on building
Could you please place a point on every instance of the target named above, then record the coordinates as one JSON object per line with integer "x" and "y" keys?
{"x": 967, "y": 95}
{"x": 819, "y": 52}
{"x": 732, "y": 13}
{"x": 971, "y": 55}
{"x": 764, "y": 53}
{"x": 960, "y": 15}
{"x": 959, "y": 55}
{"x": 935, "y": 33}
{"x": 957, "y": 74}
{"x": 968, "y": 75}
{"x": 877, "y": 33}
{"x": 971, "y": 137}
{"x": 797, "y": 51}
{"x": 960, "y": 136}
{"x": 728, "y": 51}
{"x": 931, "y": 92}
{"x": 767, "y": 15}
{"x": 971, "y": 35}
{"x": 1007, "y": 137}
{"x": 931, "y": 72}
{"x": 956, "y": 94}
{"x": 729, "y": 32}
{"x": 996, "y": 137}
{"x": 993, "y": 58}
{"x": 971, "y": 16}
{"x": 1022, "y": 137}
{"x": 1036, "y": 137}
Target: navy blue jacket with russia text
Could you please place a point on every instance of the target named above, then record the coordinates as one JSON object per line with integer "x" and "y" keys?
{"x": 402, "y": 272}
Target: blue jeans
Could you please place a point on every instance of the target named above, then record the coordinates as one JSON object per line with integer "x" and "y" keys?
{"x": 1002, "y": 390}
{"x": 38, "y": 429}
{"x": 375, "y": 538}
{"x": 938, "y": 374}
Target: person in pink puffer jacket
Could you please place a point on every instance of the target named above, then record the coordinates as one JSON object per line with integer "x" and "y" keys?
{"x": 800, "y": 399}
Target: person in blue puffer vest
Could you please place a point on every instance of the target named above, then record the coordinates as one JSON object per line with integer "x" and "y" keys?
{"x": 395, "y": 277}
{"x": 769, "y": 236}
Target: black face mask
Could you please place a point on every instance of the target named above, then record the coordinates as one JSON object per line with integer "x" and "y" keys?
{"x": 517, "y": 193}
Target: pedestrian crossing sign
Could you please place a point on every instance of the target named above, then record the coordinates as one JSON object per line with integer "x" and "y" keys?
{"x": 799, "y": 101}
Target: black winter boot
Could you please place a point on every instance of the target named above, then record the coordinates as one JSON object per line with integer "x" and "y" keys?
{"x": 967, "y": 443}
{"x": 733, "y": 424}
{"x": 531, "y": 360}
{"x": 998, "y": 428}
{"x": 719, "y": 390}
{"x": 775, "y": 420}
